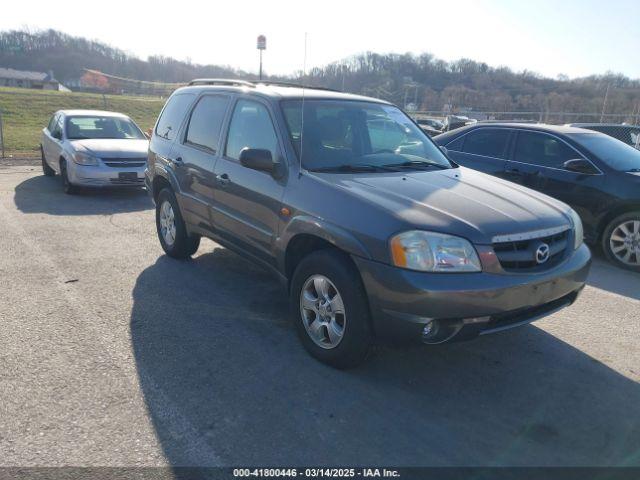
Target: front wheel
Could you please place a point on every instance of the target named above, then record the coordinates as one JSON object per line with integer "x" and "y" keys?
{"x": 621, "y": 241}
{"x": 67, "y": 186}
{"x": 172, "y": 232}
{"x": 46, "y": 169}
{"x": 330, "y": 309}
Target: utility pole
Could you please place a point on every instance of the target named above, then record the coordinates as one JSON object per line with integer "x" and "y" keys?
{"x": 262, "y": 45}
{"x": 604, "y": 103}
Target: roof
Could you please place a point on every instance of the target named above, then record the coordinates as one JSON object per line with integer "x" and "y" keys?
{"x": 102, "y": 113}
{"x": 282, "y": 92}
{"x": 543, "y": 127}
{"x": 595, "y": 124}
{"x": 25, "y": 75}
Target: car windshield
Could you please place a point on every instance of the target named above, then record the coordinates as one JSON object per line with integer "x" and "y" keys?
{"x": 347, "y": 136}
{"x": 83, "y": 127}
{"x": 618, "y": 155}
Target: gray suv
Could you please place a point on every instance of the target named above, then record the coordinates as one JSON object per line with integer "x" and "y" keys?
{"x": 376, "y": 234}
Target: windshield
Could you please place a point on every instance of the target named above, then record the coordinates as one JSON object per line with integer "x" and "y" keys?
{"x": 353, "y": 135}
{"x": 614, "y": 153}
{"x": 102, "y": 127}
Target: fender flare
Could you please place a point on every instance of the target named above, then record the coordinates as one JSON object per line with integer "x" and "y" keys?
{"x": 308, "y": 225}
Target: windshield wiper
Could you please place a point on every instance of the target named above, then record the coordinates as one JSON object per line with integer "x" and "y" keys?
{"x": 360, "y": 167}
{"x": 417, "y": 163}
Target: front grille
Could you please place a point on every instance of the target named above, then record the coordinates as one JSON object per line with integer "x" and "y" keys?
{"x": 124, "y": 162}
{"x": 520, "y": 255}
{"x": 127, "y": 181}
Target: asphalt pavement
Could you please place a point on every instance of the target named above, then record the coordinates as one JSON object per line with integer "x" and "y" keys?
{"x": 113, "y": 354}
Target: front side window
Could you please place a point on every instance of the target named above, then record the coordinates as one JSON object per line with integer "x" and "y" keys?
{"x": 614, "y": 153}
{"x": 251, "y": 127}
{"x": 345, "y": 135}
{"x": 489, "y": 142}
{"x": 172, "y": 115}
{"x": 83, "y": 127}
{"x": 206, "y": 121}
{"x": 543, "y": 150}
{"x": 52, "y": 123}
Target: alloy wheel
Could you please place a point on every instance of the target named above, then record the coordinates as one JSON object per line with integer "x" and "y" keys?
{"x": 167, "y": 223}
{"x": 625, "y": 242}
{"x": 322, "y": 311}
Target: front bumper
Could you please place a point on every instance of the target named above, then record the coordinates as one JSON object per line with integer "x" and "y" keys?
{"x": 104, "y": 176}
{"x": 465, "y": 305}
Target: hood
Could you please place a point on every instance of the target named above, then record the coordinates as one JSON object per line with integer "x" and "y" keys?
{"x": 113, "y": 147}
{"x": 457, "y": 201}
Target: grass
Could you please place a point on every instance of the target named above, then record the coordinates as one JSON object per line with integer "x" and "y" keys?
{"x": 26, "y": 112}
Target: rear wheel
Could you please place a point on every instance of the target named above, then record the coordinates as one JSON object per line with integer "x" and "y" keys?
{"x": 46, "y": 169}
{"x": 172, "y": 232}
{"x": 621, "y": 241}
{"x": 330, "y": 309}
{"x": 67, "y": 186}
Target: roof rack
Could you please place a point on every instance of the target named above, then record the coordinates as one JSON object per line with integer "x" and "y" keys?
{"x": 293, "y": 85}
{"x": 220, "y": 81}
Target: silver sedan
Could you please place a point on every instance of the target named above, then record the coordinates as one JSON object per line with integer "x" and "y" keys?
{"x": 93, "y": 148}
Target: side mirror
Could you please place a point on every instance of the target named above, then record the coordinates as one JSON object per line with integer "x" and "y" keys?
{"x": 257, "y": 159}
{"x": 580, "y": 165}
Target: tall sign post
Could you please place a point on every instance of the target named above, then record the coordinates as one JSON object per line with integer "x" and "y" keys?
{"x": 262, "y": 45}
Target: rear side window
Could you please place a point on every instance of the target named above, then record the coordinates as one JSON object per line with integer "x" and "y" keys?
{"x": 251, "y": 127}
{"x": 172, "y": 115}
{"x": 543, "y": 150}
{"x": 206, "y": 121}
{"x": 487, "y": 142}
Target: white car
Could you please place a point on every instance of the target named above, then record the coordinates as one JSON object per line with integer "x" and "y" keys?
{"x": 92, "y": 148}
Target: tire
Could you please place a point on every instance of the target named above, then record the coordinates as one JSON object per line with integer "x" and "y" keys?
{"x": 46, "y": 169}
{"x": 356, "y": 337}
{"x": 182, "y": 244}
{"x": 625, "y": 227}
{"x": 68, "y": 188}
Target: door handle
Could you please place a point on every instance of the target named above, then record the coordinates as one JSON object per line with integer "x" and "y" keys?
{"x": 223, "y": 179}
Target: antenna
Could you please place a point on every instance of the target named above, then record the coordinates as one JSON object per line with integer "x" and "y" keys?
{"x": 304, "y": 74}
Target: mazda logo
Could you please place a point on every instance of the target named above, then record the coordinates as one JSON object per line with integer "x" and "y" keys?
{"x": 542, "y": 253}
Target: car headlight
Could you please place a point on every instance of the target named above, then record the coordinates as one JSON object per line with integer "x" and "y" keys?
{"x": 578, "y": 231}
{"x": 433, "y": 252}
{"x": 84, "y": 159}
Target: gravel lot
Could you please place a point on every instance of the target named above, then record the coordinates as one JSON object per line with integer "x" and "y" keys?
{"x": 113, "y": 354}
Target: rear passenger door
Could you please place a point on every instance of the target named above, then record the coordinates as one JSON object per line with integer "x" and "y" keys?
{"x": 484, "y": 149}
{"x": 247, "y": 202}
{"x": 196, "y": 156}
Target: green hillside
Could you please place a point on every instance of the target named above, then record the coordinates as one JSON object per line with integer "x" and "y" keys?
{"x": 25, "y": 112}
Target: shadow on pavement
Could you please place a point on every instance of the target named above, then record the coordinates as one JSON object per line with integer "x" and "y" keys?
{"x": 43, "y": 194}
{"x": 227, "y": 382}
{"x": 606, "y": 276}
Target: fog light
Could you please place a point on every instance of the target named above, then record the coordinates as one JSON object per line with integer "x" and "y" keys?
{"x": 429, "y": 329}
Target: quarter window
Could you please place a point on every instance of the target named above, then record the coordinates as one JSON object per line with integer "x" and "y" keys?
{"x": 172, "y": 115}
{"x": 487, "y": 142}
{"x": 251, "y": 127}
{"x": 206, "y": 121}
{"x": 543, "y": 150}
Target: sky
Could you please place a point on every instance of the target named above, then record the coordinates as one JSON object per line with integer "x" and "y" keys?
{"x": 569, "y": 37}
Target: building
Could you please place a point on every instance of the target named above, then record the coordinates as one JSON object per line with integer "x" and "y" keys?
{"x": 26, "y": 79}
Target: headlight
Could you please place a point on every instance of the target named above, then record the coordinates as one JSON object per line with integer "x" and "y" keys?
{"x": 578, "y": 232}
{"x": 84, "y": 159}
{"x": 433, "y": 252}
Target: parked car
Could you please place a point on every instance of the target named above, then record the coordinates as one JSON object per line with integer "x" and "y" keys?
{"x": 597, "y": 175}
{"x": 375, "y": 233}
{"x": 430, "y": 126}
{"x": 453, "y": 122}
{"x": 629, "y": 134}
{"x": 91, "y": 148}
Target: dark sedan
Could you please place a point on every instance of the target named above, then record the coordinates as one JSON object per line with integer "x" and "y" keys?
{"x": 597, "y": 175}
